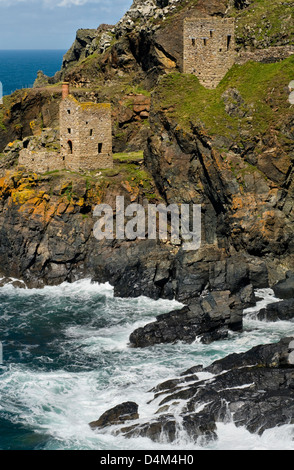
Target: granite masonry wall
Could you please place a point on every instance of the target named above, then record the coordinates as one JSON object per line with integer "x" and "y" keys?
{"x": 267, "y": 56}
{"x": 41, "y": 161}
{"x": 209, "y": 48}
{"x": 85, "y": 134}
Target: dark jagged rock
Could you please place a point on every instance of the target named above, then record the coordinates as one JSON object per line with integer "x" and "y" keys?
{"x": 165, "y": 425}
{"x": 118, "y": 415}
{"x": 278, "y": 311}
{"x": 284, "y": 289}
{"x": 254, "y": 389}
{"x": 203, "y": 428}
{"x": 84, "y": 39}
{"x": 210, "y": 317}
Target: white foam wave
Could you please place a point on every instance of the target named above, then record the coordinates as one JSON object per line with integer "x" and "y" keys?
{"x": 80, "y": 287}
{"x": 231, "y": 437}
{"x": 61, "y": 404}
{"x": 265, "y": 296}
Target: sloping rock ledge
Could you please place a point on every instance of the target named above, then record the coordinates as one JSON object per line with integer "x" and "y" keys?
{"x": 254, "y": 389}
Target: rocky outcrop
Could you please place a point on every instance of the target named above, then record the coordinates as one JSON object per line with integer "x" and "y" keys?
{"x": 208, "y": 318}
{"x": 80, "y": 48}
{"x": 145, "y": 13}
{"x": 281, "y": 310}
{"x": 284, "y": 289}
{"x": 277, "y": 311}
{"x": 254, "y": 390}
{"x": 211, "y": 311}
{"x": 118, "y": 415}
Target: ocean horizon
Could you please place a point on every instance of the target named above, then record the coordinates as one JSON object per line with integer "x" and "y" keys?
{"x": 19, "y": 67}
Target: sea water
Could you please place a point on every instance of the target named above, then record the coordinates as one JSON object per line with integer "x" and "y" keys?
{"x": 67, "y": 359}
{"x": 19, "y": 68}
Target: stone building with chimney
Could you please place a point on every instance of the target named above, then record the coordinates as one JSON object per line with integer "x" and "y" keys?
{"x": 208, "y": 48}
{"x": 85, "y": 139}
{"x": 85, "y": 134}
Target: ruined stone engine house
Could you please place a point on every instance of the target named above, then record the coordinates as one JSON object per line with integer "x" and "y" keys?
{"x": 209, "y": 48}
{"x": 85, "y": 134}
{"x": 85, "y": 139}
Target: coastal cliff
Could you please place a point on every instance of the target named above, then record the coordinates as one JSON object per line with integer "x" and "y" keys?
{"x": 230, "y": 149}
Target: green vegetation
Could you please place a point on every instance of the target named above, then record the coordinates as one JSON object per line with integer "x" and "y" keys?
{"x": 262, "y": 87}
{"x": 128, "y": 172}
{"x": 266, "y": 23}
{"x": 128, "y": 157}
{"x": 91, "y": 60}
{"x": 131, "y": 174}
{"x": 2, "y": 126}
{"x": 242, "y": 168}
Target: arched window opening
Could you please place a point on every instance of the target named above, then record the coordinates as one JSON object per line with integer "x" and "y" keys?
{"x": 69, "y": 143}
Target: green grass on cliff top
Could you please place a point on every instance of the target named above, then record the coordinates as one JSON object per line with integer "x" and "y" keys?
{"x": 263, "y": 87}
{"x": 270, "y": 22}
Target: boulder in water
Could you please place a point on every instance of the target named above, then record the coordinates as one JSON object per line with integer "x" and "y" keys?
{"x": 285, "y": 289}
{"x": 276, "y": 311}
{"x": 127, "y": 411}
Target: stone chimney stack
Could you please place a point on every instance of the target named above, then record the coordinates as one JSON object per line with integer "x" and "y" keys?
{"x": 65, "y": 90}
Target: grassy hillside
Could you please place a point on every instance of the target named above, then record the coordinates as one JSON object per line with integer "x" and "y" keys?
{"x": 265, "y": 23}
{"x": 251, "y": 99}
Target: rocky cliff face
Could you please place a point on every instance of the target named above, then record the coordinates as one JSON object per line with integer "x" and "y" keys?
{"x": 229, "y": 149}
{"x": 244, "y": 183}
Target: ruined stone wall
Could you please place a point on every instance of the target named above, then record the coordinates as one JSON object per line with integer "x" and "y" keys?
{"x": 209, "y": 48}
{"x": 41, "y": 161}
{"x": 267, "y": 56}
{"x": 90, "y": 163}
{"x": 85, "y": 140}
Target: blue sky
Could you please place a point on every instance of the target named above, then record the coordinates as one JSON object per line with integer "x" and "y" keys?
{"x": 52, "y": 24}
